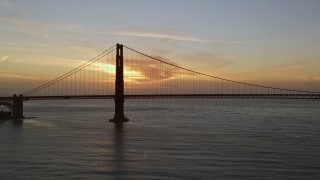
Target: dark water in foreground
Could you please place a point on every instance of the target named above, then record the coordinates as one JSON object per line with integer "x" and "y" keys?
{"x": 165, "y": 139}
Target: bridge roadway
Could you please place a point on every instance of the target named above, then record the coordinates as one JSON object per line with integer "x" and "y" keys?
{"x": 180, "y": 96}
{"x": 172, "y": 96}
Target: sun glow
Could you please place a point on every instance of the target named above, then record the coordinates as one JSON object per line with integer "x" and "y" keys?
{"x": 130, "y": 75}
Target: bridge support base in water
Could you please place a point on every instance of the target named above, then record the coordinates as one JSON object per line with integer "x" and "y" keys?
{"x": 119, "y": 120}
{"x": 17, "y": 107}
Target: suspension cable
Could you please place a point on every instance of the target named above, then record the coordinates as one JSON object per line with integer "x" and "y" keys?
{"x": 98, "y": 57}
{"x": 228, "y": 80}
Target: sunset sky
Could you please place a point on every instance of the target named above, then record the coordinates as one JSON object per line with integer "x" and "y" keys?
{"x": 271, "y": 42}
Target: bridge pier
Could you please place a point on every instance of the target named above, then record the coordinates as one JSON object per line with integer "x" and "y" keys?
{"x": 119, "y": 89}
{"x": 17, "y": 107}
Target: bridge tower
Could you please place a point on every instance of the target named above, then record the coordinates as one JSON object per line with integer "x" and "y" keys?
{"x": 17, "y": 107}
{"x": 119, "y": 88}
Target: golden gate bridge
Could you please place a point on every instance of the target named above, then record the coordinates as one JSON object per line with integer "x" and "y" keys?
{"x": 121, "y": 72}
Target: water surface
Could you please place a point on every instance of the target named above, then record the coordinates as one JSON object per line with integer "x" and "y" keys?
{"x": 165, "y": 139}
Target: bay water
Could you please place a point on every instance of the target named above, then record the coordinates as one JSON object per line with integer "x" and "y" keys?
{"x": 164, "y": 139}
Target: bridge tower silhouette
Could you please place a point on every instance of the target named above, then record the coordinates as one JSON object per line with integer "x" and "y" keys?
{"x": 119, "y": 88}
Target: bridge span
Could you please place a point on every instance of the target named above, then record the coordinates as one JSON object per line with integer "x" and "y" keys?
{"x": 180, "y": 96}
{"x": 121, "y": 73}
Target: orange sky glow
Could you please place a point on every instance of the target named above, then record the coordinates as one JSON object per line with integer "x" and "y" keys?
{"x": 247, "y": 44}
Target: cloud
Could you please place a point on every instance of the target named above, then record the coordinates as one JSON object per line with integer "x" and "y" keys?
{"x": 178, "y": 37}
{"x": 51, "y": 62}
{"x": 26, "y": 44}
{"x": 18, "y": 76}
{"x": 141, "y": 71}
{"x": 288, "y": 68}
{"x": 150, "y": 70}
{"x": 208, "y": 60}
{"x": 157, "y": 35}
{"x": 295, "y": 71}
{"x": 6, "y": 4}
{"x": 4, "y": 58}
{"x": 145, "y": 70}
{"x": 43, "y": 28}
{"x": 288, "y": 71}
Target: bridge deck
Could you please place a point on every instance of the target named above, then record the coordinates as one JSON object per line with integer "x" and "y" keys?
{"x": 182, "y": 96}
{"x": 172, "y": 96}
